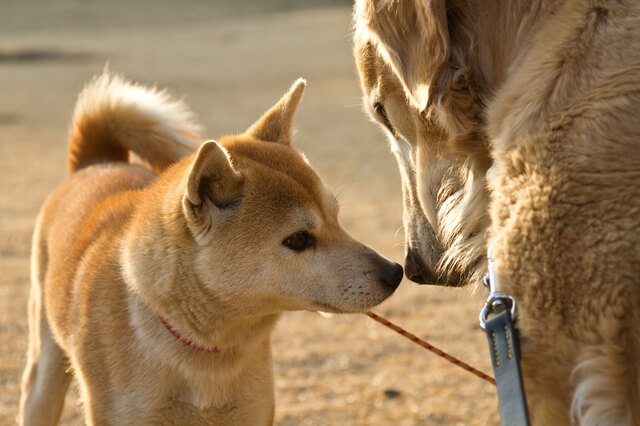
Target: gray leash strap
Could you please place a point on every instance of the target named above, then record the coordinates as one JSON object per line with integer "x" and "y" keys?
{"x": 505, "y": 357}
{"x": 504, "y": 346}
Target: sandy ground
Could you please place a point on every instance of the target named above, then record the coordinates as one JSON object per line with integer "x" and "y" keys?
{"x": 230, "y": 61}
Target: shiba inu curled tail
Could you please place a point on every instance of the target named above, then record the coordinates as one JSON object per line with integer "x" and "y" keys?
{"x": 113, "y": 117}
{"x": 158, "y": 289}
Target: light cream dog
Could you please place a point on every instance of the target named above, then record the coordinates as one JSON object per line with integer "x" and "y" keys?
{"x": 159, "y": 292}
{"x": 516, "y": 123}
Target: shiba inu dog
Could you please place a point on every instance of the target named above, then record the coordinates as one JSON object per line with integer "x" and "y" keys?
{"x": 159, "y": 289}
{"x": 515, "y": 125}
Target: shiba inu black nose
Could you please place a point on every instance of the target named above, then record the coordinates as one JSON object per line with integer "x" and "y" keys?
{"x": 392, "y": 275}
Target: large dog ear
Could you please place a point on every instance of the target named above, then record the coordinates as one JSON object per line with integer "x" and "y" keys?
{"x": 413, "y": 38}
{"x": 213, "y": 187}
{"x": 275, "y": 124}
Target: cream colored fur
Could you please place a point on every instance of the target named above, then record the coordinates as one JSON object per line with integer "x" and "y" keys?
{"x": 146, "y": 120}
{"x": 546, "y": 93}
{"x": 219, "y": 244}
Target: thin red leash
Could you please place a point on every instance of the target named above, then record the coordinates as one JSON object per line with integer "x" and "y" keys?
{"x": 430, "y": 347}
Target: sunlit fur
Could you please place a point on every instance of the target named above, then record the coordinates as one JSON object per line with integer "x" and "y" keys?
{"x": 599, "y": 398}
{"x": 442, "y": 156}
{"x": 119, "y": 250}
{"x": 155, "y": 125}
{"x": 516, "y": 124}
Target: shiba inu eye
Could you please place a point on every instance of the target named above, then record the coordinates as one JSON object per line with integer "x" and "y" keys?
{"x": 299, "y": 241}
{"x": 378, "y": 108}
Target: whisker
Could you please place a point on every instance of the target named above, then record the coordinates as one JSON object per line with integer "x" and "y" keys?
{"x": 400, "y": 228}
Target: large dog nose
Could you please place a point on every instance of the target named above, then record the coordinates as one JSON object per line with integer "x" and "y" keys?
{"x": 391, "y": 275}
{"x": 417, "y": 274}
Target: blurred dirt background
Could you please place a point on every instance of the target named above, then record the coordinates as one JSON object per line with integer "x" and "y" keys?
{"x": 230, "y": 61}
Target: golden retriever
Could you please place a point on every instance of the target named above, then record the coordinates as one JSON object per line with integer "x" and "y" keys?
{"x": 516, "y": 124}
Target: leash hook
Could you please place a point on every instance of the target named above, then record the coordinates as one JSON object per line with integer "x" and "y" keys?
{"x": 496, "y": 302}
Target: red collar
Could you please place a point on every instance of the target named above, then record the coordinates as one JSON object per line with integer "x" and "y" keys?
{"x": 187, "y": 341}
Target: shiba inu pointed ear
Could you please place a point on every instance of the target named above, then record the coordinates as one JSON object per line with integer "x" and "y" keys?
{"x": 275, "y": 124}
{"x": 212, "y": 186}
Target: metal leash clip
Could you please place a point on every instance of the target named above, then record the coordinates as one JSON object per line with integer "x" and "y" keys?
{"x": 496, "y": 302}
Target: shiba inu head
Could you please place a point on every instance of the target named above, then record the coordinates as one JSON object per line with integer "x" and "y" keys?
{"x": 424, "y": 100}
{"x": 248, "y": 225}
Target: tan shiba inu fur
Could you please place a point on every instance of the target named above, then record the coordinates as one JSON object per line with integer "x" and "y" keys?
{"x": 516, "y": 124}
{"x": 216, "y": 246}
